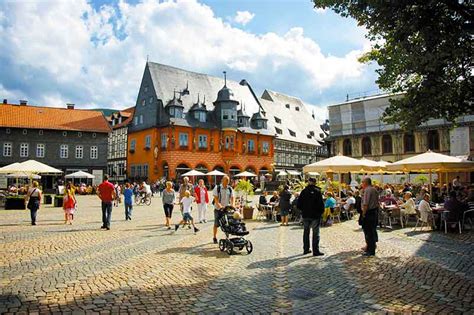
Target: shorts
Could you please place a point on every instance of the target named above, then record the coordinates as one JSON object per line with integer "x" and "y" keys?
{"x": 218, "y": 214}
{"x": 187, "y": 216}
{"x": 284, "y": 212}
{"x": 168, "y": 210}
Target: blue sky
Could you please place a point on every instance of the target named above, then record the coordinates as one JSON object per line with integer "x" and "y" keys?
{"x": 92, "y": 53}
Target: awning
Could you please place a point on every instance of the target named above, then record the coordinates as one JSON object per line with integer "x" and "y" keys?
{"x": 292, "y": 172}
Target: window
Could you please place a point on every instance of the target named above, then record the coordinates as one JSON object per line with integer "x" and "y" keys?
{"x": 135, "y": 120}
{"x": 133, "y": 144}
{"x": 143, "y": 102}
{"x": 278, "y": 131}
{"x": 366, "y": 146}
{"x": 409, "y": 142}
{"x": 7, "y": 149}
{"x": 8, "y": 131}
{"x": 277, "y": 120}
{"x": 297, "y": 108}
{"x": 265, "y": 146}
{"x": 94, "y": 135}
{"x": 138, "y": 171}
{"x": 292, "y": 133}
{"x": 164, "y": 140}
{"x": 229, "y": 114}
{"x": 63, "y": 151}
{"x": 40, "y": 150}
{"x": 24, "y": 150}
{"x": 25, "y": 132}
{"x": 200, "y": 115}
{"x": 141, "y": 119}
{"x": 145, "y": 170}
{"x": 202, "y": 141}
{"x": 183, "y": 139}
{"x": 94, "y": 152}
{"x": 147, "y": 142}
{"x": 79, "y": 151}
{"x": 387, "y": 146}
{"x": 64, "y": 133}
{"x": 287, "y": 105}
{"x": 79, "y": 134}
{"x": 150, "y": 101}
{"x": 229, "y": 143}
{"x": 40, "y": 132}
{"x": 145, "y": 89}
{"x": 251, "y": 145}
{"x": 172, "y": 111}
{"x": 347, "y": 147}
{"x": 433, "y": 140}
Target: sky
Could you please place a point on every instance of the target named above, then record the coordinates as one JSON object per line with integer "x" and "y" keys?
{"x": 93, "y": 53}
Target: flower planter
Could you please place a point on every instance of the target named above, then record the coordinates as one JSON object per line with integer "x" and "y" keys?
{"x": 58, "y": 201}
{"x": 248, "y": 213}
{"x": 47, "y": 199}
{"x": 15, "y": 203}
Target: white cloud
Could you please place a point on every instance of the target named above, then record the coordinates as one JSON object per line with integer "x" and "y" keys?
{"x": 72, "y": 53}
{"x": 320, "y": 10}
{"x": 243, "y": 17}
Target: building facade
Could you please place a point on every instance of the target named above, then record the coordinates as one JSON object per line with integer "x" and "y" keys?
{"x": 299, "y": 138}
{"x": 65, "y": 138}
{"x": 185, "y": 120}
{"x": 357, "y": 130}
{"x": 117, "y": 144}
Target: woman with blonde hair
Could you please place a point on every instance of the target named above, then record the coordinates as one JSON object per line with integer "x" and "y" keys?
{"x": 33, "y": 200}
{"x": 169, "y": 197}
{"x": 69, "y": 203}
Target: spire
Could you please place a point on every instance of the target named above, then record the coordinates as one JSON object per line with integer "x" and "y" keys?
{"x": 204, "y": 101}
{"x": 225, "y": 78}
{"x": 198, "y": 99}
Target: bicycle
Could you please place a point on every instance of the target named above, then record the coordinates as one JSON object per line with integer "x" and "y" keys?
{"x": 143, "y": 199}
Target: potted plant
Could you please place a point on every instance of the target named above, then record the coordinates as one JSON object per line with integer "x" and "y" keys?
{"x": 47, "y": 199}
{"x": 246, "y": 188}
{"x": 15, "y": 202}
{"x": 58, "y": 200}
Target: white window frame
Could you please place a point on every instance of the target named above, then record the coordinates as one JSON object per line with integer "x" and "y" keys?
{"x": 183, "y": 139}
{"x": 202, "y": 141}
{"x": 265, "y": 147}
{"x": 40, "y": 150}
{"x": 7, "y": 149}
{"x": 24, "y": 149}
{"x": 94, "y": 152}
{"x": 79, "y": 152}
{"x": 148, "y": 141}
{"x": 251, "y": 148}
{"x": 133, "y": 144}
{"x": 164, "y": 140}
{"x": 63, "y": 151}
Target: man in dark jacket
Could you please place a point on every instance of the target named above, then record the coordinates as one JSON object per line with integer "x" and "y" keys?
{"x": 310, "y": 202}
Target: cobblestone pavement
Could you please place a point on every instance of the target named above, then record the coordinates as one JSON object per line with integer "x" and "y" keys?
{"x": 140, "y": 267}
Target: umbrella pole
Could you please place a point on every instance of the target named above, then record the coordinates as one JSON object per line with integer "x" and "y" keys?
{"x": 430, "y": 185}
{"x": 340, "y": 184}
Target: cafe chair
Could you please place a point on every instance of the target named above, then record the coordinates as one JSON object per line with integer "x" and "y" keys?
{"x": 444, "y": 218}
{"x": 261, "y": 213}
{"x": 429, "y": 221}
{"x": 468, "y": 217}
{"x": 336, "y": 213}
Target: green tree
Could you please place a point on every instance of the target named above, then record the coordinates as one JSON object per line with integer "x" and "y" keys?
{"x": 424, "y": 48}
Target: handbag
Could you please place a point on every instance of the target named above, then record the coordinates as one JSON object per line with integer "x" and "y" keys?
{"x": 33, "y": 202}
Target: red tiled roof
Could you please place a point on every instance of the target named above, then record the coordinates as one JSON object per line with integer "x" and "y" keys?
{"x": 39, "y": 117}
{"x": 128, "y": 114}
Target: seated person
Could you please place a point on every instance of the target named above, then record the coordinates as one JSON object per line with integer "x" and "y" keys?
{"x": 407, "y": 207}
{"x": 388, "y": 199}
{"x": 263, "y": 199}
{"x": 274, "y": 198}
{"x": 349, "y": 201}
{"x": 330, "y": 201}
{"x": 425, "y": 209}
{"x": 455, "y": 207}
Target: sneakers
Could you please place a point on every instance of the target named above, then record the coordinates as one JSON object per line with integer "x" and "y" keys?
{"x": 196, "y": 230}
{"x": 176, "y": 227}
{"x": 214, "y": 240}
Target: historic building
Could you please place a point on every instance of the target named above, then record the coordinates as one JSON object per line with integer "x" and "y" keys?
{"x": 299, "y": 137}
{"x": 117, "y": 146}
{"x": 357, "y": 130}
{"x": 185, "y": 120}
{"x": 65, "y": 138}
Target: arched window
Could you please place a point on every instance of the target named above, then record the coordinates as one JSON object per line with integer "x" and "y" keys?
{"x": 387, "y": 147}
{"x": 347, "y": 147}
{"x": 366, "y": 146}
{"x": 181, "y": 169}
{"x": 433, "y": 140}
{"x": 409, "y": 143}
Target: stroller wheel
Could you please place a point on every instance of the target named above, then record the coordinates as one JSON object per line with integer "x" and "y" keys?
{"x": 230, "y": 248}
{"x": 249, "y": 247}
{"x": 222, "y": 245}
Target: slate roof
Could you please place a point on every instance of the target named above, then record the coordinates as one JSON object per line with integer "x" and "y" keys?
{"x": 127, "y": 117}
{"x": 53, "y": 118}
{"x": 167, "y": 79}
{"x": 299, "y": 121}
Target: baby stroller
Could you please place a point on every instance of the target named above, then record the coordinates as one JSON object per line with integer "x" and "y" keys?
{"x": 233, "y": 226}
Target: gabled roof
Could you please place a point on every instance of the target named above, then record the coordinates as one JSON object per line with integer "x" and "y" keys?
{"x": 167, "y": 80}
{"x": 40, "y": 117}
{"x": 299, "y": 122}
{"x": 127, "y": 114}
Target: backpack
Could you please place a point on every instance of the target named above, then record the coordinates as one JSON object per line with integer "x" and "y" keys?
{"x": 219, "y": 193}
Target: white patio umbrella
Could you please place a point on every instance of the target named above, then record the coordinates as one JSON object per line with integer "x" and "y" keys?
{"x": 193, "y": 173}
{"x": 35, "y": 167}
{"x": 23, "y": 175}
{"x": 80, "y": 174}
{"x": 292, "y": 172}
{"x": 313, "y": 173}
{"x": 215, "y": 173}
{"x": 246, "y": 174}
{"x": 282, "y": 173}
{"x": 10, "y": 168}
{"x": 336, "y": 164}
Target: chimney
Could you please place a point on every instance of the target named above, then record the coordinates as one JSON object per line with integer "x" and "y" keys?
{"x": 5, "y": 101}
{"x": 70, "y": 106}
{"x": 23, "y": 102}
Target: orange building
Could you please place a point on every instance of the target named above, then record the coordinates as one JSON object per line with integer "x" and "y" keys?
{"x": 175, "y": 131}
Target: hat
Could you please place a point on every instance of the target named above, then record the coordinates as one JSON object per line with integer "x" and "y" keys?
{"x": 312, "y": 180}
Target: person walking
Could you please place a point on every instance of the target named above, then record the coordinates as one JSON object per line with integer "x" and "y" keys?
{"x": 128, "y": 201}
{"x": 223, "y": 197}
{"x": 370, "y": 212}
{"x": 310, "y": 202}
{"x": 33, "y": 201}
{"x": 186, "y": 185}
{"x": 106, "y": 193}
{"x": 186, "y": 201}
{"x": 69, "y": 204}
{"x": 284, "y": 205}
{"x": 202, "y": 199}
{"x": 169, "y": 196}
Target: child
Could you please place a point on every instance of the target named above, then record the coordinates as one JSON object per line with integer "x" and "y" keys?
{"x": 186, "y": 201}
{"x": 69, "y": 204}
{"x": 128, "y": 202}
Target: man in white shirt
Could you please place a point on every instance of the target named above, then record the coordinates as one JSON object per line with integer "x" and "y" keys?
{"x": 425, "y": 209}
{"x": 223, "y": 197}
{"x": 262, "y": 182}
{"x": 350, "y": 201}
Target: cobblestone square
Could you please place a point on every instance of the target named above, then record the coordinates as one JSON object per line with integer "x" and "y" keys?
{"x": 140, "y": 267}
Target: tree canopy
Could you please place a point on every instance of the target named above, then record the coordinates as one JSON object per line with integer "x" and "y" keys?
{"x": 424, "y": 49}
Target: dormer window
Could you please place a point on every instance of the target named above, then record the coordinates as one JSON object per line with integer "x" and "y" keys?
{"x": 297, "y": 108}
{"x": 200, "y": 115}
{"x": 277, "y": 120}
{"x": 278, "y": 131}
{"x": 143, "y": 102}
{"x": 287, "y": 106}
{"x": 292, "y": 133}
{"x": 176, "y": 112}
{"x": 228, "y": 114}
